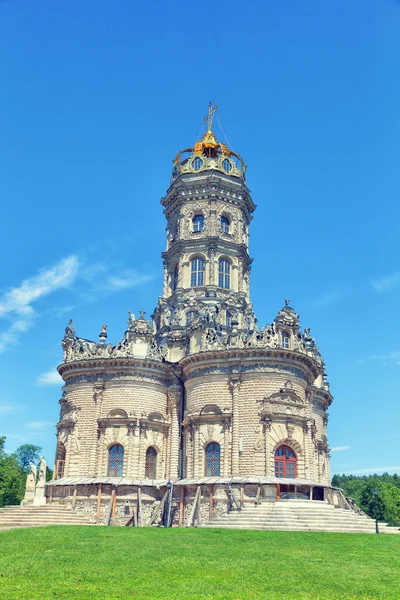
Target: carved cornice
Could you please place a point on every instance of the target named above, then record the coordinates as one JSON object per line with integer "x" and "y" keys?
{"x": 98, "y": 371}
{"x": 251, "y": 359}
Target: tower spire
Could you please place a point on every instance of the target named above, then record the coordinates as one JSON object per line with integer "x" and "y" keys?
{"x": 212, "y": 109}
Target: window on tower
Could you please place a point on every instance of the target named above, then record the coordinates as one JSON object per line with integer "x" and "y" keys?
{"x": 151, "y": 463}
{"x": 198, "y": 223}
{"x": 197, "y": 272}
{"x": 224, "y": 224}
{"x": 212, "y": 460}
{"x": 224, "y": 274}
{"x": 197, "y": 163}
{"x": 285, "y": 339}
{"x": 115, "y": 460}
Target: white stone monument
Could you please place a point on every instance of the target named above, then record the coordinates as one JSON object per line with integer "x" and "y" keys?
{"x": 40, "y": 498}
{"x": 30, "y": 486}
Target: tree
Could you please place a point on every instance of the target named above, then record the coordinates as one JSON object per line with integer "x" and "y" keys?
{"x": 28, "y": 453}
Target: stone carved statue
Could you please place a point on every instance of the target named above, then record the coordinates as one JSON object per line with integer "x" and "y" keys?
{"x": 42, "y": 471}
{"x": 70, "y": 330}
{"x": 131, "y": 318}
{"x": 30, "y": 485}
{"x": 40, "y": 498}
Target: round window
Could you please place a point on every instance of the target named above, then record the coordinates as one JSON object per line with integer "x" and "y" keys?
{"x": 197, "y": 163}
{"x": 227, "y": 165}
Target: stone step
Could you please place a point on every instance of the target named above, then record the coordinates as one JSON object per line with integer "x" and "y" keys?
{"x": 296, "y": 516}
{"x": 39, "y": 516}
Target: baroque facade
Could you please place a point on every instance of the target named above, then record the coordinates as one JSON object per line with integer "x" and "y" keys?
{"x": 200, "y": 392}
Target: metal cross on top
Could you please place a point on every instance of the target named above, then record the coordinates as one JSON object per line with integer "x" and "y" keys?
{"x": 212, "y": 109}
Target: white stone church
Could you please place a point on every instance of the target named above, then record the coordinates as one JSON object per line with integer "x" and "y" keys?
{"x": 199, "y": 408}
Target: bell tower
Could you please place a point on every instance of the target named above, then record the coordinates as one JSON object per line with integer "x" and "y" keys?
{"x": 208, "y": 209}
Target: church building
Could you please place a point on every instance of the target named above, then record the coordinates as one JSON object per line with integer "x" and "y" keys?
{"x": 200, "y": 401}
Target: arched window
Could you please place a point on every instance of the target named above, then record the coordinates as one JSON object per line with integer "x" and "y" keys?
{"x": 228, "y": 319}
{"x": 213, "y": 459}
{"x": 224, "y": 224}
{"x": 151, "y": 463}
{"x": 224, "y": 274}
{"x": 198, "y": 223}
{"x": 285, "y": 339}
{"x": 197, "y": 272}
{"x": 226, "y": 165}
{"x": 175, "y": 281}
{"x": 190, "y": 316}
{"x": 285, "y": 462}
{"x": 115, "y": 460}
{"x": 197, "y": 163}
{"x": 60, "y": 460}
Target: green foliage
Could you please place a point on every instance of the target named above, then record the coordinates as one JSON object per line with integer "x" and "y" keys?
{"x": 14, "y": 469}
{"x": 12, "y": 480}
{"x": 28, "y": 453}
{"x": 78, "y": 562}
{"x": 361, "y": 488}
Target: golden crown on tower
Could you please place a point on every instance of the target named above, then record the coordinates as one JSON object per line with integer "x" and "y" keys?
{"x": 209, "y": 154}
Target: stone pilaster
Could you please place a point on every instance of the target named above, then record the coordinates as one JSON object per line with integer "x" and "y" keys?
{"x": 234, "y": 385}
{"x": 130, "y": 453}
{"x": 98, "y": 394}
{"x": 226, "y": 448}
{"x": 269, "y": 470}
{"x": 140, "y": 467}
{"x": 165, "y": 286}
{"x": 211, "y": 256}
{"x": 196, "y": 451}
{"x": 101, "y": 471}
{"x": 174, "y": 400}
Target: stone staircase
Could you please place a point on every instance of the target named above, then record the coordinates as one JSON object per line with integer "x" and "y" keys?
{"x": 14, "y": 517}
{"x": 298, "y": 515}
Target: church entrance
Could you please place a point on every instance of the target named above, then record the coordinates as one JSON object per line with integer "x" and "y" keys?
{"x": 285, "y": 462}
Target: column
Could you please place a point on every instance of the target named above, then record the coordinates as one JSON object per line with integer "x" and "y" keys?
{"x": 240, "y": 275}
{"x": 306, "y": 451}
{"x": 129, "y": 458}
{"x": 98, "y": 393}
{"x": 180, "y": 270}
{"x": 269, "y": 472}
{"x": 234, "y": 385}
{"x": 140, "y": 467}
{"x": 211, "y": 256}
{"x": 226, "y": 448}
{"x": 165, "y": 287}
{"x": 100, "y": 451}
{"x": 196, "y": 450}
{"x": 174, "y": 400}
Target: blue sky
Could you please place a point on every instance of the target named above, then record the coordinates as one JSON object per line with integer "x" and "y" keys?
{"x": 96, "y": 100}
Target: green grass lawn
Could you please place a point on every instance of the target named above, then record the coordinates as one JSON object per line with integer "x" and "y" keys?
{"x": 110, "y": 562}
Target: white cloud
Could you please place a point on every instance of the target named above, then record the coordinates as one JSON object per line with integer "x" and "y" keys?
{"x": 340, "y": 448}
{"x": 16, "y": 303}
{"x": 105, "y": 275}
{"x": 333, "y": 296}
{"x": 7, "y": 409}
{"x": 388, "y": 359}
{"x": 373, "y": 470}
{"x": 126, "y": 279}
{"x": 387, "y": 283}
{"x": 51, "y": 377}
{"x": 18, "y": 300}
{"x": 39, "y": 424}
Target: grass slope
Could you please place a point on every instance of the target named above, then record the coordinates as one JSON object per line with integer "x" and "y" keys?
{"x": 111, "y": 563}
